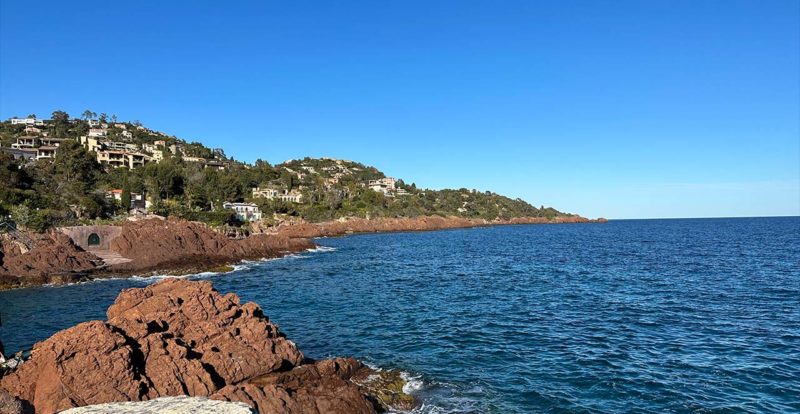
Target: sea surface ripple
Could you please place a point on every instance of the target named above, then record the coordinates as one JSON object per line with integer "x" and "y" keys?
{"x": 647, "y": 316}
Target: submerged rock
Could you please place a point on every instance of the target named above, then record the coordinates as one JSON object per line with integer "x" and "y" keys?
{"x": 180, "y": 337}
{"x": 386, "y": 388}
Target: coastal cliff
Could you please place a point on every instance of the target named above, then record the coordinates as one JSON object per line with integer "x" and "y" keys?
{"x": 50, "y": 258}
{"x": 178, "y": 246}
{"x": 185, "y": 246}
{"x": 146, "y": 246}
{"x": 180, "y": 337}
{"x": 423, "y": 223}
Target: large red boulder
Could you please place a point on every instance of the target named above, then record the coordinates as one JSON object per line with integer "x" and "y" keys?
{"x": 180, "y": 337}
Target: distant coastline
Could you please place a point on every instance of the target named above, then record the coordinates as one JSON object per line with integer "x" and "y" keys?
{"x": 176, "y": 246}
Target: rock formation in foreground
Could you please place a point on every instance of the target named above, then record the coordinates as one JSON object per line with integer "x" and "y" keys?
{"x": 166, "y": 405}
{"x": 180, "y": 337}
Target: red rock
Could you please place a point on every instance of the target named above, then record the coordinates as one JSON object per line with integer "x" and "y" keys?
{"x": 323, "y": 387}
{"x": 423, "y": 223}
{"x": 86, "y": 364}
{"x": 180, "y": 337}
{"x": 54, "y": 258}
{"x": 222, "y": 334}
{"x": 180, "y": 244}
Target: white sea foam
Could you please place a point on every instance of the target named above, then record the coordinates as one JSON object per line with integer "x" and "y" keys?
{"x": 413, "y": 382}
{"x": 242, "y": 265}
{"x": 321, "y": 249}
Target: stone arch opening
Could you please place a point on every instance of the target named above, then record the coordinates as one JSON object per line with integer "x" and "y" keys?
{"x": 94, "y": 239}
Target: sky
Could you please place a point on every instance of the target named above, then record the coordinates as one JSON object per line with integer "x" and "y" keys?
{"x": 617, "y": 109}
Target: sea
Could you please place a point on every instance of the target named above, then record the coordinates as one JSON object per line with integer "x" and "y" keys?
{"x": 644, "y": 316}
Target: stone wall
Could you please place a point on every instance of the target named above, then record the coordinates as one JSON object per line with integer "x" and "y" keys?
{"x": 80, "y": 235}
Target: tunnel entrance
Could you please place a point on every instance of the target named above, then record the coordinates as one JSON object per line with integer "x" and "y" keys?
{"x": 94, "y": 239}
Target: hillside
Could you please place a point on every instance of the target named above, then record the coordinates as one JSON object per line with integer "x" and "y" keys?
{"x": 68, "y": 171}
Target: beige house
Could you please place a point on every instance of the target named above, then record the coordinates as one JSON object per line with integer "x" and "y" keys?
{"x": 195, "y": 159}
{"x": 52, "y": 142}
{"x": 277, "y": 193}
{"x": 90, "y": 143}
{"x": 125, "y": 159}
{"x": 120, "y": 146}
{"x": 384, "y": 185}
{"x": 216, "y": 165}
{"x": 32, "y": 130}
{"x": 45, "y": 152}
{"x": 270, "y": 193}
{"x": 293, "y": 196}
{"x": 26, "y": 142}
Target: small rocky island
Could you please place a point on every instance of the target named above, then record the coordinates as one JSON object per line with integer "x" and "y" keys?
{"x": 183, "y": 338}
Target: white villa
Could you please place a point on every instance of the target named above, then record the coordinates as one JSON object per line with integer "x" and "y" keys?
{"x": 97, "y": 133}
{"x": 244, "y": 211}
{"x": 27, "y": 121}
{"x": 384, "y": 185}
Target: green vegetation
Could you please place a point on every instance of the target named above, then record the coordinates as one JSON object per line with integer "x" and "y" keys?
{"x": 73, "y": 187}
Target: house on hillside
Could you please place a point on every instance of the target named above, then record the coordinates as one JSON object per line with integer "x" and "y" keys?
{"x": 126, "y": 159}
{"x": 120, "y": 146}
{"x": 275, "y": 192}
{"x": 292, "y": 196}
{"x": 244, "y": 211}
{"x": 26, "y": 142}
{"x": 45, "y": 152}
{"x": 216, "y": 165}
{"x": 25, "y": 154}
{"x": 138, "y": 204}
{"x": 91, "y": 144}
{"x": 52, "y": 142}
{"x": 114, "y": 194}
{"x": 97, "y": 133}
{"x": 198, "y": 160}
{"x": 384, "y": 185}
{"x": 33, "y": 130}
{"x": 269, "y": 192}
{"x": 27, "y": 121}
{"x": 156, "y": 152}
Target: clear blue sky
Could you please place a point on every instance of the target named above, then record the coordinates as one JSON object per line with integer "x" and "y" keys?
{"x": 622, "y": 109}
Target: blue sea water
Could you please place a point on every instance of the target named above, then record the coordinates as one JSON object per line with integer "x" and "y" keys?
{"x": 646, "y": 316}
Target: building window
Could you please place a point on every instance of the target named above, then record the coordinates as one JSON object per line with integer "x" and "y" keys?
{"x": 94, "y": 239}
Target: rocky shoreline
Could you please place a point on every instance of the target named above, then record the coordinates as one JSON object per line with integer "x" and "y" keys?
{"x": 183, "y": 338}
{"x": 174, "y": 246}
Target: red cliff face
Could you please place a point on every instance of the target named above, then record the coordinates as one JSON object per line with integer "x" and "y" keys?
{"x": 52, "y": 259}
{"x": 175, "y": 245}
{"x": 180, "y": 337}
{"x": 169, "y": 244}
{"x": 424, "y": 223}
